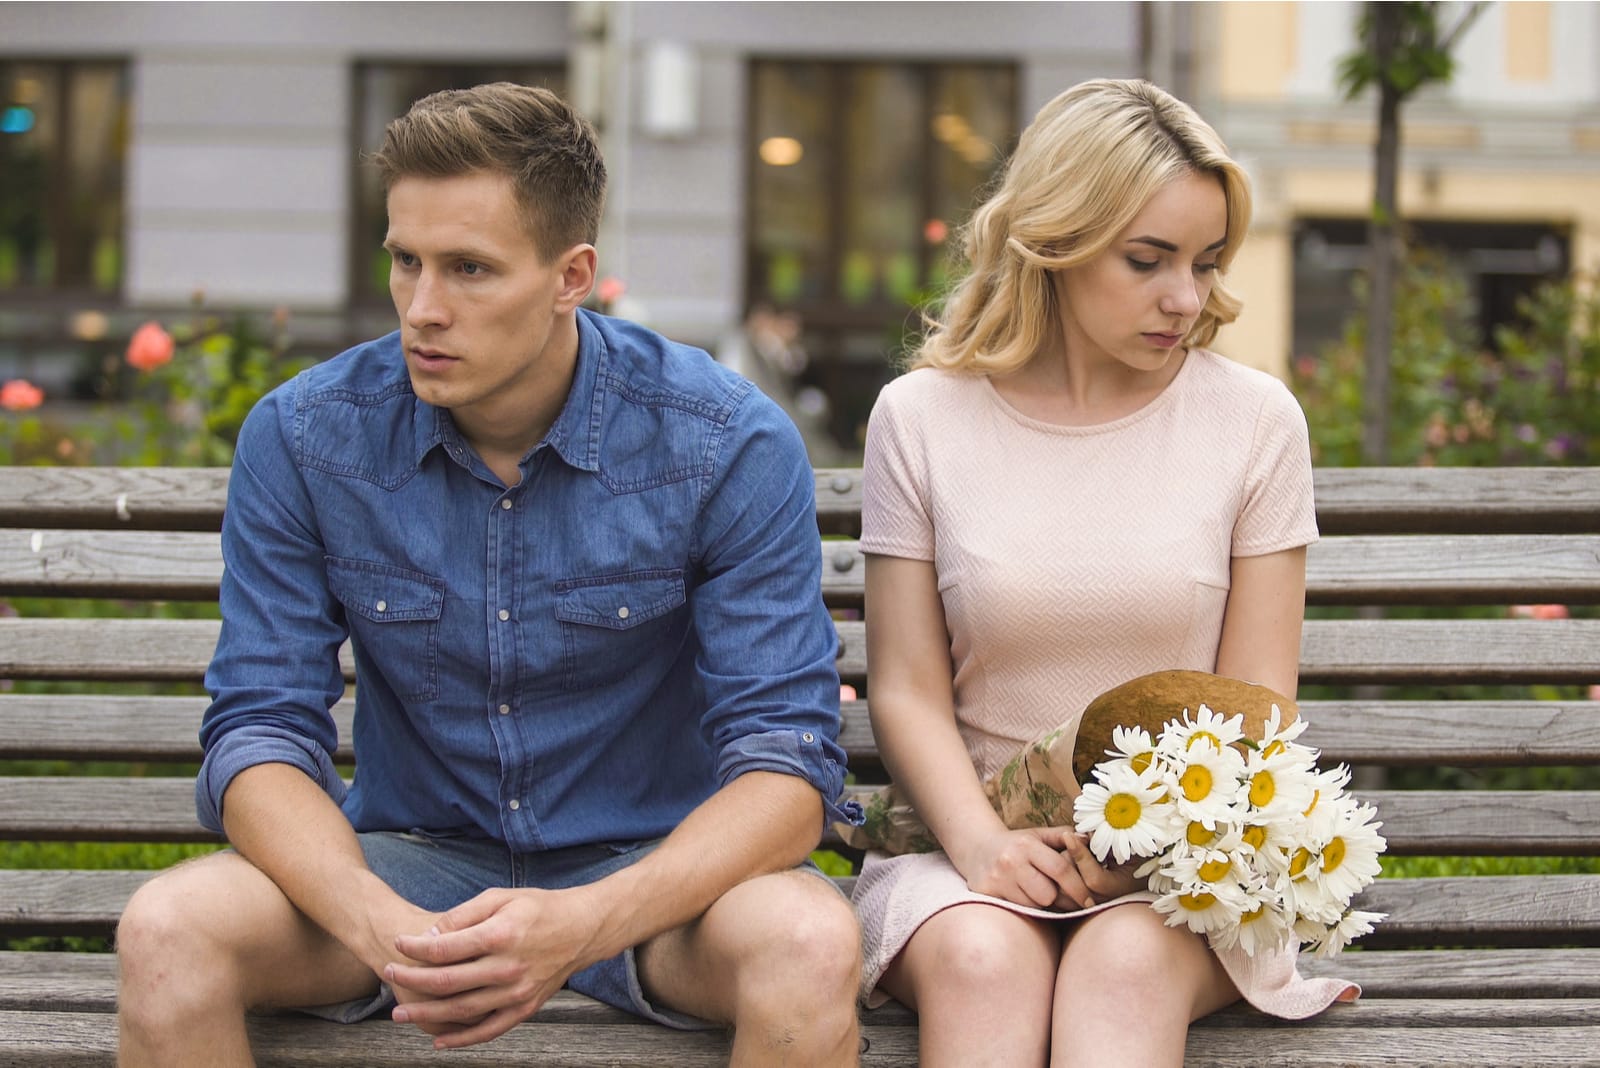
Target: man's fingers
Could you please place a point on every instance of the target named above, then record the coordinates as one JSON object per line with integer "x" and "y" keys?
{"x": 492, "y": 1026}
{"x": 472, "y": 912}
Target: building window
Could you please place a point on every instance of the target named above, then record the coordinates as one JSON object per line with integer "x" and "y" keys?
{"x": 63, "y": 147}
{"x": 1500, "y": 262}
{"x": 383, "y": 92}
{"x": 860, "y": 175}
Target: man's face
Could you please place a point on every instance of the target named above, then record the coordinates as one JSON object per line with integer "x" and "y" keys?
{"x": 485, "y": 324}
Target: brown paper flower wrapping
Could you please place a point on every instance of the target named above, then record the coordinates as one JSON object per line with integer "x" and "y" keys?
{"x": 1035, "y": 789}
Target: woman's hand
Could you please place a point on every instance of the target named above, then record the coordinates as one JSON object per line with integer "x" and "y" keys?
{"x": 1043, "y": 867}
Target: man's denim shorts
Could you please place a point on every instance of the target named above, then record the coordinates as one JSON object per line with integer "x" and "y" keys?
{"x": 439, "y": 873}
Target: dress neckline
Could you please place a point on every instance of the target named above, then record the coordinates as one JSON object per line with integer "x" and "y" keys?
{"x": 1155, "y": 404}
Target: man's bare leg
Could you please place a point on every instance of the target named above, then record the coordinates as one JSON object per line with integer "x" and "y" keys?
{"x": 200, "y": 944}
{"x": 779, "y": 958}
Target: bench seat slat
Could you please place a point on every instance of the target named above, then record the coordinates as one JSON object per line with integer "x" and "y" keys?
{"x": 1441, "y": 986}
{"x": 1396, "y": 733}
{"x": 1332, "y": 651}
{"x": 50, "y": 1038}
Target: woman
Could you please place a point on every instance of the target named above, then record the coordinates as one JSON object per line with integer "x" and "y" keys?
{"x": 1069, "y": 491}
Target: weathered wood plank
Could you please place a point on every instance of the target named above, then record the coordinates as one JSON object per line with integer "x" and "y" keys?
{"x": 1394, "y": 733}
{"x": 117, "y": 498}
{"x": 1433, "y": 987}
{"x": 1406, "y": 569}
{"x": 1483, "y": 910}
{"x": 139, "y": 564}
{"x": 1460, "y": 500}
{"x": 117, "y": 727}
{"x": 1332, "y": 651}
{"x": 1465, "y": 822}
{"x": 1430, "y": 822}
{"x": 1354, "y": 500}
{"x": 46, "y": 1038}
{"x": 114, "y": 650}
{"x": 1392, "y": 651}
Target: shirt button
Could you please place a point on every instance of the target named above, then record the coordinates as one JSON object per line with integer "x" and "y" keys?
{"x": 505, "y": 710}
{"x": 382, "y": 606}
{"x": 622, "y": 613}
{"x": 514, "y": 805}
{"x": 808, "y": 737}
{"x": 505, "y": 502}
{"x": 503, "y": 614}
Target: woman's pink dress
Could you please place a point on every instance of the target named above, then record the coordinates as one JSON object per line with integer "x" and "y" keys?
{"x": 1072, "y": 559}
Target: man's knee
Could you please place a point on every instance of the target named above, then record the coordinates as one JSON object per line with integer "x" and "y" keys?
{"x": 168, "y": 963}
{"x": 808, "y": 948}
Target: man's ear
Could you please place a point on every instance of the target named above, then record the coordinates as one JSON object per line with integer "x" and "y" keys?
{"x": 577, "y": 266}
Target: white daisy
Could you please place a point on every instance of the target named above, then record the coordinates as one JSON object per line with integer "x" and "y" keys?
{"x": 1201, "y": 909}
{"x": 1278, "y": 785}
{"x": 1205, "y": 784}
{"x": 1348, "y": 859}
{"x": 1352, "y": 925}
{"x": 1263, "y": 925}
{"x": 1182, "y": 736}
{"x": 1133, "y": 744}
{"x": 1123, "y": 813}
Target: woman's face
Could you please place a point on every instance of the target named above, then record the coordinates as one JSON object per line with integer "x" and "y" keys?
{"x": 1136, "y": 301}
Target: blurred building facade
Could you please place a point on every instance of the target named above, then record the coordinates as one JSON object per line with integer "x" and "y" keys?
{"x": 796, "y": 169}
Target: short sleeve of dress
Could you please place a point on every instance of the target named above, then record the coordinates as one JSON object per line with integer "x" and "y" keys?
{"x": 895, "y": 517}
{"x": 1277, "y": 511}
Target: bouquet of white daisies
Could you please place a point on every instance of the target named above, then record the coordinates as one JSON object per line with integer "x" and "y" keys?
{"x": 1246, "y": 841}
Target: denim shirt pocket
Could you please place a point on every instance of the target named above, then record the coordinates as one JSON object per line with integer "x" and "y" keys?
{"x": 394, "y": 616}
{"x": 611, "y": 622}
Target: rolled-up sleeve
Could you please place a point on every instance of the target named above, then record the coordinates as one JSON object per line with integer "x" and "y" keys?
{"x": 767, "y": 644}
{"x": 275, "y": 674}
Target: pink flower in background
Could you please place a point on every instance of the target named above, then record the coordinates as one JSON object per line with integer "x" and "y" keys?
{"x": 847, "y": 692}
{"x": 1540, "y": 611}
{"x": 19, "y": 395}
{"x": 1594, "y": 692}
{"x": 610, "y": 289}
{"x": 150, "y": 348}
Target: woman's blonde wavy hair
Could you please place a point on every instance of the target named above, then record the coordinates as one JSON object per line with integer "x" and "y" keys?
{"x": 1083, "y": 169}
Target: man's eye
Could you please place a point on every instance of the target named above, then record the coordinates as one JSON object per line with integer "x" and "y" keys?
{"x": 404, "y": 259}
{"x": 470, "y": 268}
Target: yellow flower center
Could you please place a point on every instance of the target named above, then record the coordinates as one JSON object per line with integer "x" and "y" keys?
{"x": 1205, "y": 736}
{"x": 1141, "y": 761}
{"x": 1302, "y": 857}
{"x": 1273, "y": 749}
{"x": 1316, "y": 795}
{"x": 1123, "y": 811}
{"x": 1255, "y": 837}
{"x": 1332, "y": 855}
{"x": 1216, "y": 869}
{"x": 1196, "y": 782}
{"x": 1251, "y": 917}
{"x": 1262, "y": 789}
{"x": 1198, "y": 835}
{"x": 1196, "y": 902}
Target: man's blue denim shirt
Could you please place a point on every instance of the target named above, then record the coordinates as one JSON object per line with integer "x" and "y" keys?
{"x": 584, "y": 657}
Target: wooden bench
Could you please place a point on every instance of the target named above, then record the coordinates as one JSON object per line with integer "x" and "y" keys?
{"x": 1484, "y": 970}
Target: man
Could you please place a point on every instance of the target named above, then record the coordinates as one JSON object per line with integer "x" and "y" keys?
{"x": 596, "y": 702}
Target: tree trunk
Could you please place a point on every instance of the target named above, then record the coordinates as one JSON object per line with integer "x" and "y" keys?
{"x": 1383, "y": 243}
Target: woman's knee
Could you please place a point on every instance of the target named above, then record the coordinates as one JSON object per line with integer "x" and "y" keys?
{"x": 1129, "y": 954}
{"x": 985, "y": 952}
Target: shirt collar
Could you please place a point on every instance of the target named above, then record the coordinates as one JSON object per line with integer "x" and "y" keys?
{"x": 575, "y": 435}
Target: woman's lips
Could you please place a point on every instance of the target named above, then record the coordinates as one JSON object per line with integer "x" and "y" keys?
{"x": 1166, "y": 341}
